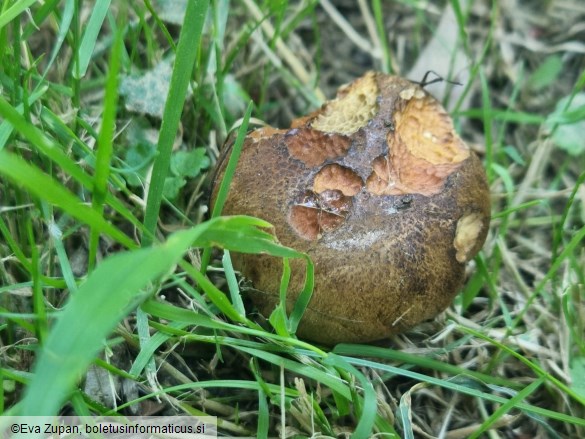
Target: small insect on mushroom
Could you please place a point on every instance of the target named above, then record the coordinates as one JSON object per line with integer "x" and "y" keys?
{"x": 404, "y": 202}
{"x": 390, "y": 125}
{"x": 379, "y": 190}
{"x": 438, "y": 78}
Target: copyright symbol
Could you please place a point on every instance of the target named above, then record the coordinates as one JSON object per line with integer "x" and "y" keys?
{"x": 14, "y": 428}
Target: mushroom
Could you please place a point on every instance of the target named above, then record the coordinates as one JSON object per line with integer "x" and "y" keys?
{"x": 379, "y": 190}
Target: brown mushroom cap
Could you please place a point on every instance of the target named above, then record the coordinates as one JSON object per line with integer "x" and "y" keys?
{"x": 382, "y": 194}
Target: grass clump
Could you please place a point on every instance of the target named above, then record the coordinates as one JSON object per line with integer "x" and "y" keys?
{"x": 106, "y": 247}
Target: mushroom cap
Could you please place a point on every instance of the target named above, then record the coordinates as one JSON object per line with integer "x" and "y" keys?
{"x": 378, "y": 189}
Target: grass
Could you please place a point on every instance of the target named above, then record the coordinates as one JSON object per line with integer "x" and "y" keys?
{"x": 107, "y": 258}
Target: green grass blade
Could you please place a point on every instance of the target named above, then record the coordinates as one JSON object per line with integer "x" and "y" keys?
{"x": 507, "y": 212}
{"x": 216, "y": 295}
{"x": 570, "y": 247}
{"x": 418, "y": 360}
{"x": 258, "y": 241}
{"x": 176, "y": 314}
{"x": 504, "y": 408}
{"x": 62, "y": 257}
{"x": 90, "y": 36}
{"x": 322, "y": 376}
{"x": 405, "y": 414}
{"x": 64, "y": 25}
{"x": 263, "y": 416}
{"x": 230, "y": 169}
{"x": 148, "y": 349}
{"x": 53, "y": 151}
{"x": 105, "y": 143}
{"x": 46, "y": 188}
{"x": 42, "y": 143}
{"x": 115, "y": 289}
{"x": 367, "y": 407}
{"x": 466, "y": 390}
{"x": 487, "y": 123}
{"x": 560, "y": 228}
{"x": 504, "y": 116}
{"x": 173, "y": 313}
{"x": 187, "y": 51}
{"x": 14, "y": 11}
{"x": 461, "y": 24}
{"x": 39, "y": 16}
{"x": 39, "y": 305}
{"x": 13, "y": 245}
{"x": 379, "y": 17}
{"x": 65, "y": 135}
{"x": 304, "y": 298}
{"x": 232, "y": 282}
{"x": 533, "y": 366}
{"x": 278, "y": 318}
{"x": 160, "y": 24}
{"x": 6, "y": 128}
{"x": 220, "y": 384}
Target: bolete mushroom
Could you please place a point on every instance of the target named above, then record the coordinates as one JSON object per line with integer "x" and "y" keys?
{"x": 379, "y": 190}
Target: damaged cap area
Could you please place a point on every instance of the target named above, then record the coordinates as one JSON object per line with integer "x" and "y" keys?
{"x": 423, "y": 150}
{"x": 325, "y": 208}
{"x": 339, "y": 178}
{"x": 312, "y": 214}
{"x": 324, "y": 135}
{"x": 466, "y": 242}
{"x": 313, "y": 147}
{"x": 355, "y": 105}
